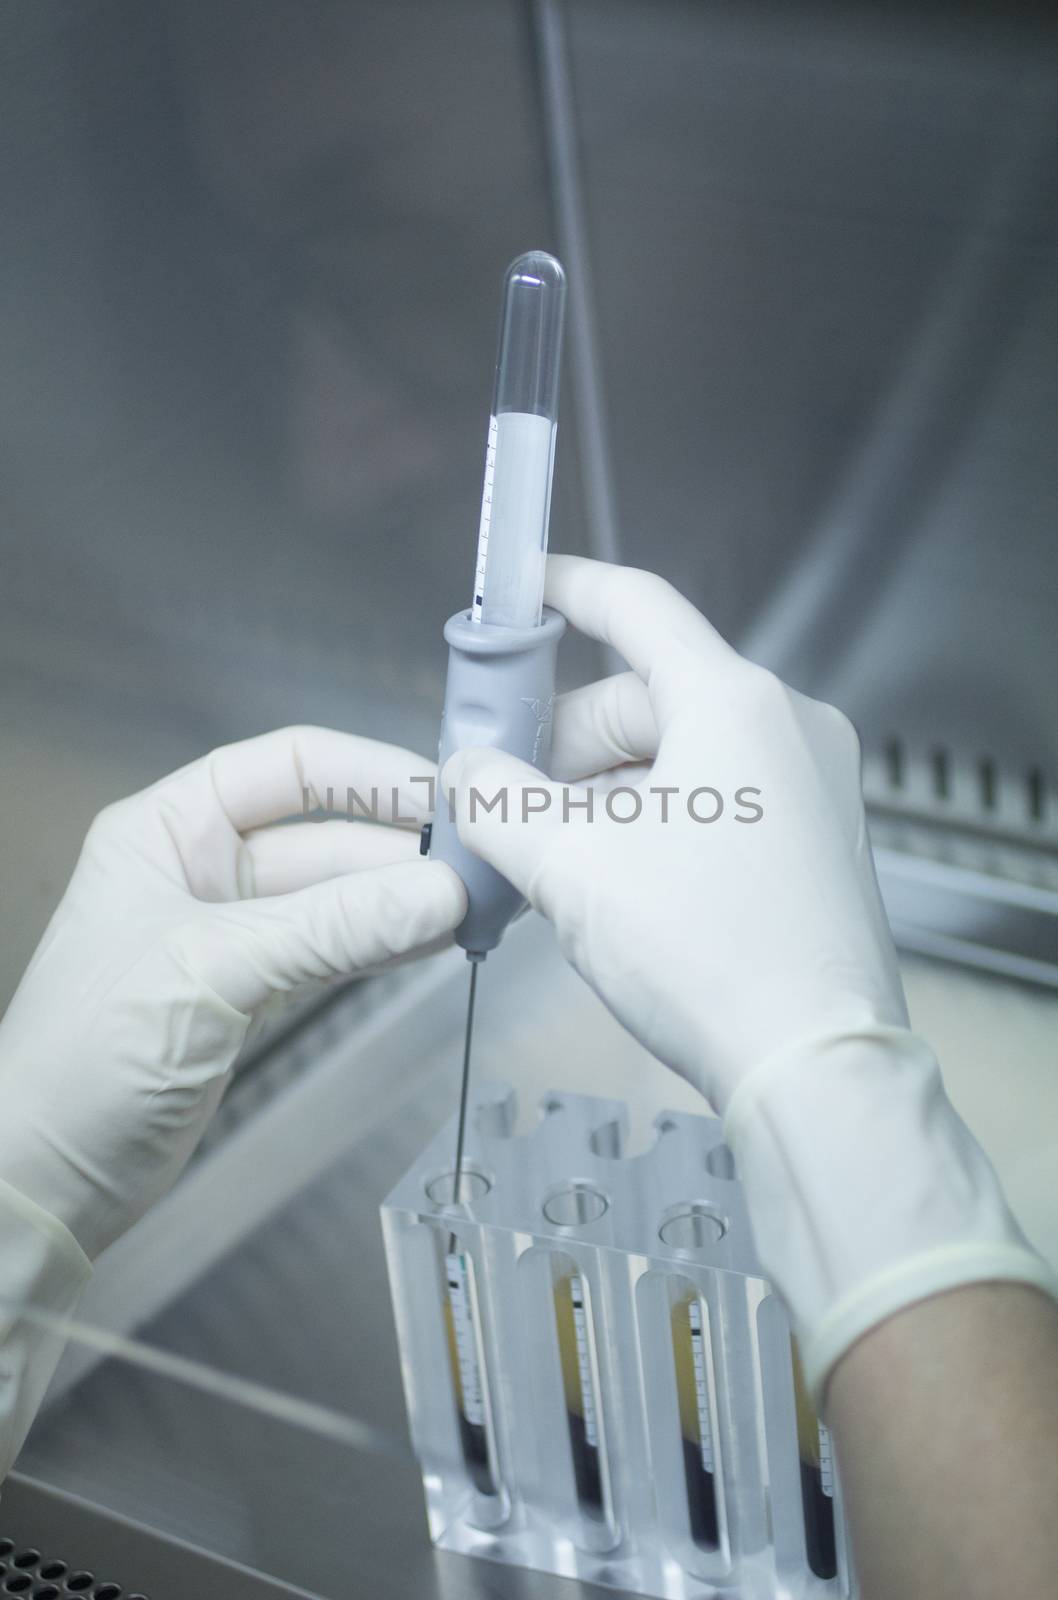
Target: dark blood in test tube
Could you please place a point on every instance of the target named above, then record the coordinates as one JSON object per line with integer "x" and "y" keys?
{"x": 473, "y": 1439}
{"x": 701, "y": 1498}
{"x": 586, "y": 1472}
{"x": 819, "y": 1522}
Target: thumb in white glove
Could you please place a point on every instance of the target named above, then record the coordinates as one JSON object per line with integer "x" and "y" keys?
{"x": 725, "y": 908}
{"x": 186, "y": 914}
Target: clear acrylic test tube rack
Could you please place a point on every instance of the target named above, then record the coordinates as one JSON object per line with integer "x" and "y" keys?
{"x": 600, "y": 1383}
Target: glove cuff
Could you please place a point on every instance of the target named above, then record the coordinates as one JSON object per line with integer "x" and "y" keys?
{"x": 866, "y": 1190}
{"x": 44, "y": 1270}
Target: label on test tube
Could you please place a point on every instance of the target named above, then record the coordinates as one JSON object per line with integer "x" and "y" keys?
{"x": 587, "y": 1393}
{"x": 509, "y": 575}
{"x": 486, "y": 521}
{"x": 826, "y": 1463}
{"x": 466, "y": 1346}
{"x": 701, "y": 1385}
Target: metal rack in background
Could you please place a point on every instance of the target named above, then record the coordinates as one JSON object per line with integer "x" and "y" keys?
{"x": 967, "y": 858}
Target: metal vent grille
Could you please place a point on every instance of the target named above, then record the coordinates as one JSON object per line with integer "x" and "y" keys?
{"x": 946, "y": 787}
{"x": 967, "y": 857}
{"x": 25, "y": 1571}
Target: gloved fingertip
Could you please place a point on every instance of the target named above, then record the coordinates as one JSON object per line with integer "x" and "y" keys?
{"x": 449, "y": 893}
{"x": 467, "y": 766}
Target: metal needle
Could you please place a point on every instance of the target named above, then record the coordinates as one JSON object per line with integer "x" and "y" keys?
{"x": 463, "y": 1093}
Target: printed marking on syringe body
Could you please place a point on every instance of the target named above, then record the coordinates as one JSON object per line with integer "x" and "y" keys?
{"x": 541, "y": 710}
{"x": 826, "y": 1463}
{"x": 466, "y": 1344}
{"x": 701, "y": 1385}
{"x": 486, "y": 519}
{"x": 587, "y": 1391}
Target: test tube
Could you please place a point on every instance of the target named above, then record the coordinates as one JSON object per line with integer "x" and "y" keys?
{"x": 520, "y": 455}
{"x": 696, "y": 1425}
{"x": 464, "y": 1354}
{"x": 817, "y": 1478}
{"x": 578, "y": 1384}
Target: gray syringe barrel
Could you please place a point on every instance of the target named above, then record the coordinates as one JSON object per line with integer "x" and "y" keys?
{"x": 499, "y": 693}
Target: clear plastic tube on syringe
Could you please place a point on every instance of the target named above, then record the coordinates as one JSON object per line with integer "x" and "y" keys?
{"x": 520, "y": 456}
{"x": 501, "y": 652}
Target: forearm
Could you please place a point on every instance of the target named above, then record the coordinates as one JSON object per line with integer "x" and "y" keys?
{"x": 945, "y": 1418}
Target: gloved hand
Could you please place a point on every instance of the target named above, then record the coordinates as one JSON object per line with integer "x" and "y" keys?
{"x": 725, "y": 908}
{"x": 186, "y": 913}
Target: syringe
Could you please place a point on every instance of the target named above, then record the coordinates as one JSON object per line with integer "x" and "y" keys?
{"x": 501, "y": 651}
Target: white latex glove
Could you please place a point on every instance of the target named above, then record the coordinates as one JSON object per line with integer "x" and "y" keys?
{"x": 186, "y": 913}
{"x": 754, "y": 957}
